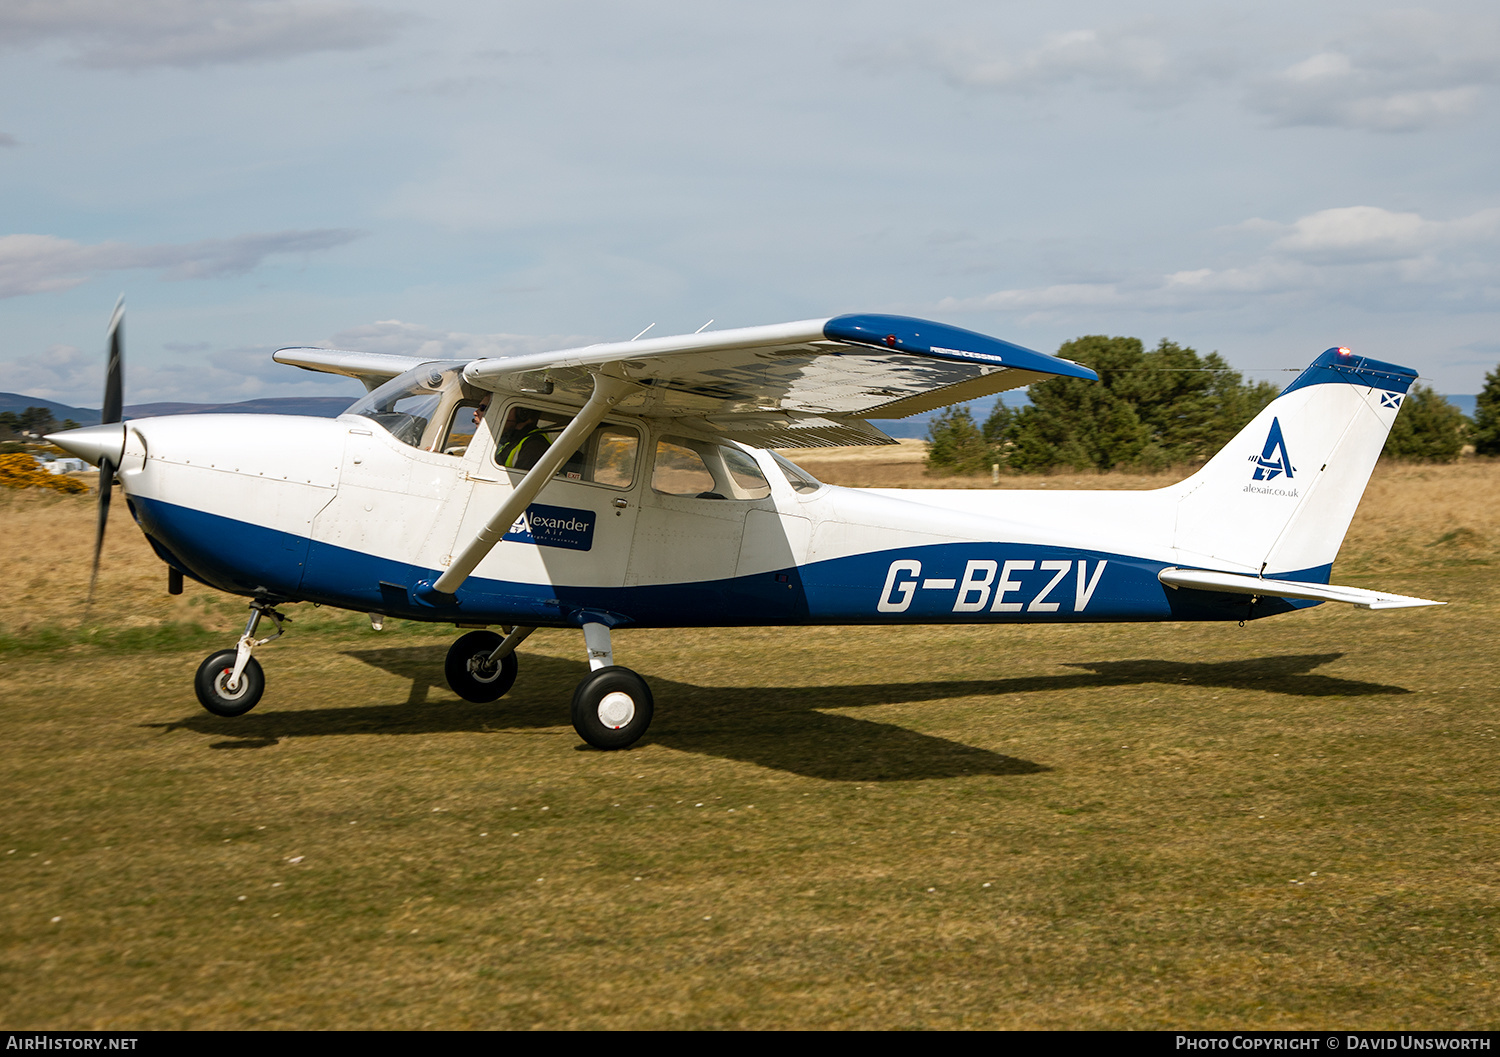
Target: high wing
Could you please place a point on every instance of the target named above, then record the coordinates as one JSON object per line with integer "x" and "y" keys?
{"x": 812, "y": 383}
{"x": 374, "y": 369}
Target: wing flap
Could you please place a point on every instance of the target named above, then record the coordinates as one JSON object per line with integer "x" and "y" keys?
{"x": 1234, "y": 583}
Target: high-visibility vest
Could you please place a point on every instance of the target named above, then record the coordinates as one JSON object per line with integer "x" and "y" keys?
{"x": 512, "y": 449}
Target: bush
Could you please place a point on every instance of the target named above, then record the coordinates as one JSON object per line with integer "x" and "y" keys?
{"x": 956, "y": 445}
{"x": 1486, "y": 432}
{"x": 19, "y": 470}
{"x": 1427, "y": 429}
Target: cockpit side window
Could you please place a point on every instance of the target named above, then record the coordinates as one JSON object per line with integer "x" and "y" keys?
{"x": 465, "y": 420}
{"x": 608, "y": 457}
{"x": 421, "y": 407}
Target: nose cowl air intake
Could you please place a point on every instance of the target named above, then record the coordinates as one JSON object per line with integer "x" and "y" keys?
{"x": 92, "y": 443}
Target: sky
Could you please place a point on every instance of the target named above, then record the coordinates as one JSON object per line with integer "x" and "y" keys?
{"x": 455, "y": 178}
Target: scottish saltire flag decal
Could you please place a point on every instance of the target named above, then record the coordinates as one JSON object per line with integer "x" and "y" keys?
{"x": 1274, "y": 459}
{"x": 1390, "y": 399}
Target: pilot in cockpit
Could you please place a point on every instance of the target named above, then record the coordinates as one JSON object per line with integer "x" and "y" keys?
{"x": 522, "y": 441}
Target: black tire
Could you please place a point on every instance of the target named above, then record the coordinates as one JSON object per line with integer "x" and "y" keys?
{"x": 215, "y": 696}
{"x": 479, "y": 684}
{"x": 597, "y": 708}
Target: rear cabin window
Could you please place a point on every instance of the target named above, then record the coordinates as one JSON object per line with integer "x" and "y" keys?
{"x": 701, "y": 469}
{"x": 801, "y": 481}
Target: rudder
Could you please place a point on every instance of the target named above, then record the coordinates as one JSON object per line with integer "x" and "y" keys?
{"x": 1278, "y": 499}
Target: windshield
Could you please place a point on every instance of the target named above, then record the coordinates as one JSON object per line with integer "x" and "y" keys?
{"x": 800, "y": 480}
{"x": 415, "y": 407}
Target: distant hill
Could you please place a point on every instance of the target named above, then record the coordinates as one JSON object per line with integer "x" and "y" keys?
{"x": 18, "y": 403}
{"x": 315, "y": 406}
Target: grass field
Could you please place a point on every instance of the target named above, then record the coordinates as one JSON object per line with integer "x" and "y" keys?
{"x": 1290, "y": 824}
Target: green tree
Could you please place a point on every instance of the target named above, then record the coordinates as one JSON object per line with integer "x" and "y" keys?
{"x": 1148, "y": 409}
{"x": 38, "y": 420}
{"x": 1427, "y": 428}
{"x": 956, "y": 444}
{"x": 998, "y": 426}
{"x": 1486, "y": 433}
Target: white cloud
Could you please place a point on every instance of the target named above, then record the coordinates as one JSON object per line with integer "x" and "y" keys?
{"x": 61, "y": 373}
{"x": 1361, "y": 233}
{"x": 198, "y": 373}
{"x": 109, "y": 34}
{"x": 1117, "y": 58}
{"x": 1398, "y": 72}
{"x": 415, "y": 339}
{"x": 31, "y": 264}
{"x": 70, "y": 375}
{"x": 1065, "y": 295}
{"x": 1376, "y": 257}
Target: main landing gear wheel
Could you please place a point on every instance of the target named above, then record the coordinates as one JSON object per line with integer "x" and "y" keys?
{"x": 212, "y": 684}
{"x": 471, "y": 675}
{"x": 612, "y": 708}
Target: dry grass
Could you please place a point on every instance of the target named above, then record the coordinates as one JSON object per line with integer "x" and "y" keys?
{"x": 904, "y": 466}
{"x": 1287, "y": 825}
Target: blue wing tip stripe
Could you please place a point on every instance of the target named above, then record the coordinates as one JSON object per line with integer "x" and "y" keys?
{"x": 926, "y": 338}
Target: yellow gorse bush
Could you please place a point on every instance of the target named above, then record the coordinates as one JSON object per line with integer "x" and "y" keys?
{"x": 19, "y": 470}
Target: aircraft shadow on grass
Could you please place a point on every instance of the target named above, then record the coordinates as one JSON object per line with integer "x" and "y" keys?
{"x": 788, "y": 728}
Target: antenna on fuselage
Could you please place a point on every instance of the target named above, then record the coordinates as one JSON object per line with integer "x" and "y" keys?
{"x": 705, "y": 326}
{"x": 637, "y": 337}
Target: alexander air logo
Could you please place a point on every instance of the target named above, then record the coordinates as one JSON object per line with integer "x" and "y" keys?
{"x": 554, "y": 526}
{"x": 1274, "y": 460}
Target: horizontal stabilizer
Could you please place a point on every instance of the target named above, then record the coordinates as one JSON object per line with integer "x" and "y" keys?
{"x": 1203, "y": 580}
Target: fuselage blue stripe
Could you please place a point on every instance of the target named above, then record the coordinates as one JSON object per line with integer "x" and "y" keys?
{"x": 968, "y": 583}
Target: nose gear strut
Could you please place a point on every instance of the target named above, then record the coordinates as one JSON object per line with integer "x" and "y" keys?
{"x": 230, "y": 682}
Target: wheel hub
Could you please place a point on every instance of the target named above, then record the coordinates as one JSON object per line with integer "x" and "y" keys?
{"x": 481, "y": 668}
{"x": 616, "y": 709}
{"x": 221, "y": 684}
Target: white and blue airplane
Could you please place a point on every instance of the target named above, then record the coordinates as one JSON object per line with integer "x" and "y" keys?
{"x": 633, "y": 484}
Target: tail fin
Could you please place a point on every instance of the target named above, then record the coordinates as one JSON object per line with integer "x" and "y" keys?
{"x": 1277, "y": 500}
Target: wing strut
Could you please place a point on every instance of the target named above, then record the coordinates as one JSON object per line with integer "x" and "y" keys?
{"x": 607, "y": 393}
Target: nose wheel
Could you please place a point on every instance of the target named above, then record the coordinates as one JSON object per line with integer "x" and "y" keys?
{"x": 214, "y": 691}
{"x": 229, "y": 683}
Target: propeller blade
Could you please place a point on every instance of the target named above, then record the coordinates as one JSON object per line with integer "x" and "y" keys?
{"x": 112, "y": 411}
{"x": 114, "y": 373}
{"x": 106, "y": 491}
